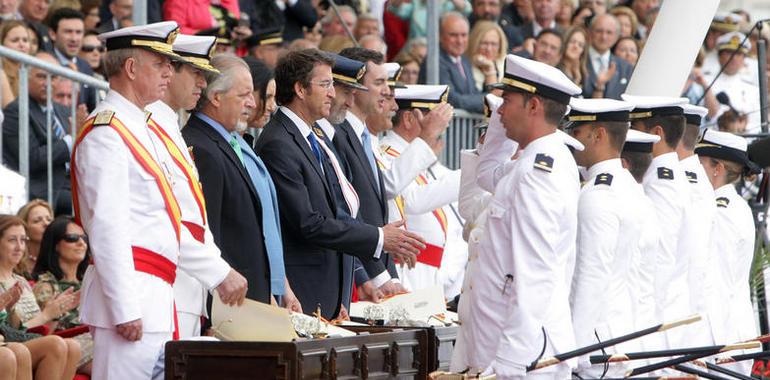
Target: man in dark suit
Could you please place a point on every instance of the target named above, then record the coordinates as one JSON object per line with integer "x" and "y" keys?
{"x": 38, "y": 150}
{"x": 66, "y": 28}
{"x": 292, "y": 16}
{"x": 34, "y": 13}
{"x": 119, "y": 10}
{"x": 314, "y": 236}
{"x": 454, "y": 68}
{"x": 608, "y": 75}
{"x": 490, "y": 10}
{"x": 545, "y": 18}
{"x": 232, "y": 203}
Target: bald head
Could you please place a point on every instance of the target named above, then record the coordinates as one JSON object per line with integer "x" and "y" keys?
{"x": 605, "y": 30}
{"x": 453, "y": 34}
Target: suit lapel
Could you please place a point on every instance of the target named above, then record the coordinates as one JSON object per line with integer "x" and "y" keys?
{"x": 358, "y": 149}
{"x": 227, "y": 150}
{"x": 304, "y": 146}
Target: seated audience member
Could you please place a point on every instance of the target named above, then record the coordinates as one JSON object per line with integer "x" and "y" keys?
{"x": 51, "y": 357}
{"x": 13, "y": 35}
{"x": 62, "y": 141}
{"x": 120, "y": 9}
{"x": 366, "y": 25}
{"x": 548, "y": 47}
{"x": 91, "y": 51}
{"x": 544, "y": 18}
{"x": 91, "y": 18}
{"x": 487, "y": 47}
{"x": 627, "y": 49}
{"x": 454, "y": 67}
{"x": 301, "y": 44}
{"x": 331, "y": 25}
{"x": 34, "y": 40}
{"x": 374, "y": 42}
{"x": 335, "y": 43}
{"x": 491, "y": 10}
{"x": 564, "y": 15}
{"x": 37, "y": 215}
{"x": 410, "y": 67}
{"x": 608, "y": 75}
{"x": 582, "y": 17}
{"x": 418, "y": 47}
{"x": 63, "y": 260}
{"x": 627, "y": 19}
{"x": 574, "y": 55}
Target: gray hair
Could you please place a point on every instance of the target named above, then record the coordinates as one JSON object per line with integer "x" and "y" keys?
{"x": 615, "y": 19}
{"x": 228, "y": 65}
{"x": 113, "y": 61}
{"x": 383, "y": 48}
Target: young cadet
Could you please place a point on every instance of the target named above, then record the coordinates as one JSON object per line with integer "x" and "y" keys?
{"x": 636, "y": 158}
{"x": 522, "y": 285}
{"x": 667, "y": 187}
{"x": 725, "y": 161}
{"x": 610, "y": 222}
{"x": 424, "y": 204}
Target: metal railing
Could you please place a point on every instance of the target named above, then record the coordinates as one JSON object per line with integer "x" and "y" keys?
{"x": 461, "y": 134}
{"x": 25, "y": 62}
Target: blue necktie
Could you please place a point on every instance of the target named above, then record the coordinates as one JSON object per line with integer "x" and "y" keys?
{"x": 366, "y": 139}
{"x": 315, "y": 148}
{"x": 271, "y": 229}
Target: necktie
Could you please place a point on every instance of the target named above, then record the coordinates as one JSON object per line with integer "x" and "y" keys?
{"x": 366, "y": 140}
{"x": 460, "y": 68}
{"x": 315, "y": 148}
{"x": 58, "y": 130}
{"x": 237, "y": 148}
{"x": 271, "y": 229}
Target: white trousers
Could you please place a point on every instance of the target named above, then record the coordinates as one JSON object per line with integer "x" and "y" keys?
{"x": 189, "y": 325}
{"x": 115, "y": 358}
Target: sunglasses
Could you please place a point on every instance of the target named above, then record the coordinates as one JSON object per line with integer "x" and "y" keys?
{"x": 73, "y": 238}
{"x": 90, "y": 48}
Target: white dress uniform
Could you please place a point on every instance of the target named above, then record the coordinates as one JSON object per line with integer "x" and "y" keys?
{"x": 610, "y": 223}
{"x": 666, "y": 185}
{"x": 189, "y": 293}
{"x": 13, "y": 191}
{"x": 423, "y": 206}
{"x": 123, "y": 211}
{"x": 740, "y": 88}
{"x": 643, "y": 268}
{"x": 733, "y": 243}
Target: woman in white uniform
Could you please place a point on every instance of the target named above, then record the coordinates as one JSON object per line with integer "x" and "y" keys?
{"x": 723, "y": 156}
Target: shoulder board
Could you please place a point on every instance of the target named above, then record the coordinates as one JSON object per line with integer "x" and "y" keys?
{"x": 665, "y": 173}
{"x": 692, "y": 177}
{"x": 723, "y": 202}
{"x": 543, "y": 162}
{"x": 603, "y": 179}
{"x": 104, "y": 118}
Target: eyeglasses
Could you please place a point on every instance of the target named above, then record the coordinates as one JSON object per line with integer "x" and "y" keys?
{"x": 90, "y": 48}
{"x": 73, "y": 238}
{"x": 21, "y": 240}
{"x": 325, "y": 84}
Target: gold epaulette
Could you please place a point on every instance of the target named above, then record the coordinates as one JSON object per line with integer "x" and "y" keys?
{"x": 104, "y": 118}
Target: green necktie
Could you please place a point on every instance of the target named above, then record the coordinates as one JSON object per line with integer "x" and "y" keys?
{"x": 237, "y": 149}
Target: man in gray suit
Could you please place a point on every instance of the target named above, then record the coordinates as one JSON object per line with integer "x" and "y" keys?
{"x": 608, "y": 75}
{"x": 454, "y": 68}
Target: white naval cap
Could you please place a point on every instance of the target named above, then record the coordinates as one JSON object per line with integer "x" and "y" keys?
{"x": 196, "y": 50}
{"x": 726, "y": 146}
{"x": 425, "y": 97}
{"x": 649, "y": 106}
{"x": 694, "y": 114}
{"x": 726, "y": 22}
{"x": 732, "y": 41}
{"x": 570, "y": 141}
{"x": 587, "y": 110}
{"x": 394, "y": 74}
{"x": 526, "y": 75}
{"x": 157, "y": 37}
{"x": 638, "y": 141}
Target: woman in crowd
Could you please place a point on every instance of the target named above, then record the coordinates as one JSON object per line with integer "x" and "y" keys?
{"x": 487, "y": 47}
{"x": 418, "y": 47}
{"x": 37, "y": 215}
{"x": 627, "y": 19}
{"x": 627, "y": 49}
{"x": 574, "y": 55}
{"x": 51, "y": 357}
{"x": 723, "y": 156}
{"x": 91, "y": 51}
{"x": 14, "y": 35}
{"x": 564, "y": 15}
{"x": 410, "y": 67}
{"x": 264, "y": 93}
{"x": 62, "y": 262}
{"x": 91, "y": 16}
